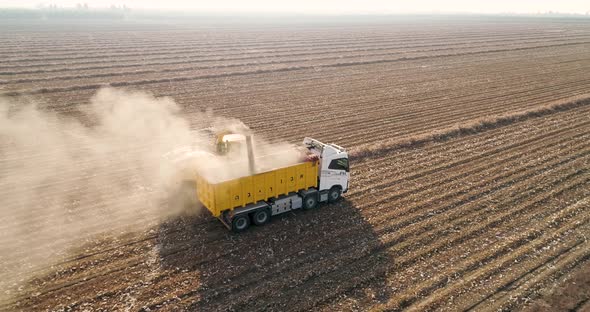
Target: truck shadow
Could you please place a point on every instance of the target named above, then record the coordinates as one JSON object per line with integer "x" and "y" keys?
{"x": 301, "y": 260}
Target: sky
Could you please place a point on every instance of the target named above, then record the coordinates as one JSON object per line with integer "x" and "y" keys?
{"x": 331, "y": 6}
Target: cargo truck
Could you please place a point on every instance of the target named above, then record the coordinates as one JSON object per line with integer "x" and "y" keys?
{"x": 321, "y": 176}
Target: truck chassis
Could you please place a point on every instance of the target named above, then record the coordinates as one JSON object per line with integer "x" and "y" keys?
{"x": 260, "y": 213}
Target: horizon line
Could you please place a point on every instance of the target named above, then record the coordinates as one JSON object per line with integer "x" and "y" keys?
{"x": 279, "y": 12}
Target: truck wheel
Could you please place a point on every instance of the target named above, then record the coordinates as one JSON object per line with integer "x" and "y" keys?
{"x": 334, "y": 194}
{"x": 261, "y": 217}
{"x": 310, "y": 201}
{"x": 240, "y": 223}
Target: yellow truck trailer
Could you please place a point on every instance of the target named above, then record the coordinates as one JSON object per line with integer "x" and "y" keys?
{"x": 322, "y": 176}
{"x": 240, "y": 192}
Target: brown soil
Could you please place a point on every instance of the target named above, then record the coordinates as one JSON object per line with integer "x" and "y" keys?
{"x": 470, "y": 177}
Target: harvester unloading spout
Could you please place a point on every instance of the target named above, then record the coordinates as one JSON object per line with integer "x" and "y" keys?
{"x": 251, "y": 160}
{"x": 228, "y": 142}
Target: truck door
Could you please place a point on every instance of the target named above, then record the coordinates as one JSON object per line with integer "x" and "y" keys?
{"x": 336, "y": 173}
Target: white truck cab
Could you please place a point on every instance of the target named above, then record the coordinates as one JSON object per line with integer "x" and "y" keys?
{"x": 334, "y": 167}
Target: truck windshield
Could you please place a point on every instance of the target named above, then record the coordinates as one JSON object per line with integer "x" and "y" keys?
{"x": 339, "y": 164}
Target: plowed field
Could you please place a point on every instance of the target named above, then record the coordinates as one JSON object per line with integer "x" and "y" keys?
{"x": 470, "y": 166}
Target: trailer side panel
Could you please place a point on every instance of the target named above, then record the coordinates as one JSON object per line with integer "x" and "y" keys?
{"x": 227, "y": 195}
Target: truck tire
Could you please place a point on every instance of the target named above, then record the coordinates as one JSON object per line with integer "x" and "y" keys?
{"x": 261, "y": 217}
{"x": 310, "y": 201}
{"x": 240, "y": 223}
{"x": 334, "y": 194}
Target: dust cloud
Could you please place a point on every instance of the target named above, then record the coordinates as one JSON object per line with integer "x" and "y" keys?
{"x": 63, "y": 182}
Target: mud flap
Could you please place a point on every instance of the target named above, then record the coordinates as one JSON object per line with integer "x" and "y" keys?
{"x": 225, "y": 220}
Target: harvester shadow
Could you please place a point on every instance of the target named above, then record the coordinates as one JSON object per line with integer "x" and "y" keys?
{"x": 299, "y": 260}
